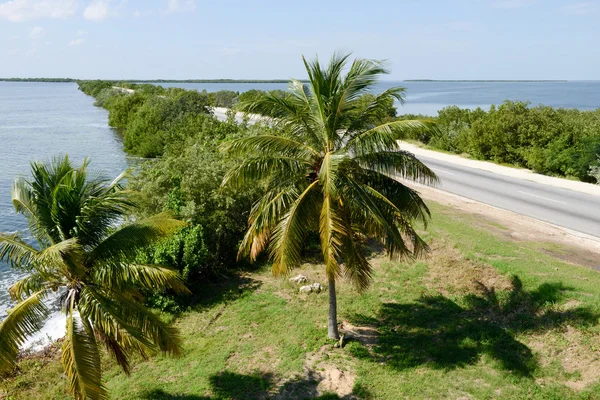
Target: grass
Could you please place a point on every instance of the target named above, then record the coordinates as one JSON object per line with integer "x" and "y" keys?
{"x": 482, "y": 317}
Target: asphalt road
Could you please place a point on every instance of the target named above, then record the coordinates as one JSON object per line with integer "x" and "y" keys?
{"x": 563, "y": 207}
{"x": 567, "y": 208}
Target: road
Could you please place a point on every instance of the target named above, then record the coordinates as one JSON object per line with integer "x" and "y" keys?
{"x": 563, "y": 207}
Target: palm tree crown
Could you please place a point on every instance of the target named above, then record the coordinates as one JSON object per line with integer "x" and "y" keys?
{"x": 87, "y": 258}
{"x": 331, "y": 167}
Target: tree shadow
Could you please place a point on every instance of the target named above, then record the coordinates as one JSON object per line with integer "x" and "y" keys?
{"x": 159, "y": 394}
{"x": 206, "y": 294}
{"x": 441, "y": 333}
{"x": 234, "y": 386}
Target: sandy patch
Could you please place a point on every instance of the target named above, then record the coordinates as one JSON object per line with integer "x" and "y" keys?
{"x": 574, "y": 350}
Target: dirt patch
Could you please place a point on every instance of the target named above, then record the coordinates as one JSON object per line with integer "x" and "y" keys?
{"x": 574, "y": 350}
{"x": 579, "y": 248}
{"x": 449, "y": 272}
{"x": 321, "y": 376}
{"x": 336, "y": 381}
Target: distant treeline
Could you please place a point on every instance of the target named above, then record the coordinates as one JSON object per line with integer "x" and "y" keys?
{"x": 37, "y": 80}
{"x": 151, "y": 80}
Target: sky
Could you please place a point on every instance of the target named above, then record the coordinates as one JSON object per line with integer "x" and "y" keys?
{"x": 265, "y": 39}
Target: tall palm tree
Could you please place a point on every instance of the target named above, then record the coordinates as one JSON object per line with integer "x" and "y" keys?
{"x": 331, "y": 168}
{"x": 87, "y": 258}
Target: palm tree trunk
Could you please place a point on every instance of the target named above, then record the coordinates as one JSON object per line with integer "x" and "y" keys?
{"x": 332, "y": 328}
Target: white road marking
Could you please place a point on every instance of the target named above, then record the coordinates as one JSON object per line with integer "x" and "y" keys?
{"x": 540, "y": 197}
{"x": 443, "y": 171}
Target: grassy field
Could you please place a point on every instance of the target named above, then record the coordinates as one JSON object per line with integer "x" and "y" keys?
{"x": 482, "y": 317}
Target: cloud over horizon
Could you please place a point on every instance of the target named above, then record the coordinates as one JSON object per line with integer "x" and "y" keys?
{"x": 25, "y": 10}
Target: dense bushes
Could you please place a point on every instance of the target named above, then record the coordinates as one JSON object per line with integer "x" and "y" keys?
{"x": 563, "y": 142}
{"x": 186, "y": 181}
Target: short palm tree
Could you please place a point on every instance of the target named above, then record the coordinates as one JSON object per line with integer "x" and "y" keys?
{"x": 84, "y": 256}
{"x": 332, "y": 168}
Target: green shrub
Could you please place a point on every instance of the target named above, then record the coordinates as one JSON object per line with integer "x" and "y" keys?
{"x": 105, "y": 94}
{"x": 562, "y": 142}
{"x": 187, "y": 181}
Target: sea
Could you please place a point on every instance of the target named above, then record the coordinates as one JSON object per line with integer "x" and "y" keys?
{"x": 41, "y": 120}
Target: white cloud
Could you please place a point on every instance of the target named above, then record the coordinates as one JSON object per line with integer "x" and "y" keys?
{"x": 96, "y": 11}
{"x": 81, "y": 33}
{"x": 143, "y": 13}
{"x": 582, "y": 8}
{"x": 37, "y": 32}
{"x": 76, "y": 42}
{"x": 23, "y": 10}
{"x": 174, "y": 6}
{"x": 13, "y": 52}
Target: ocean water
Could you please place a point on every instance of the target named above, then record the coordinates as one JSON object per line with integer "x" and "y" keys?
{"x": 429, "y": 97}
{"x": 41, "y": 120}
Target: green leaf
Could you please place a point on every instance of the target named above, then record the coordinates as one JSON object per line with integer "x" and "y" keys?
{"x": 23, "y": 320}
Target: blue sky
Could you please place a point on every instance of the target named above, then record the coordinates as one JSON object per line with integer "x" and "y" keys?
{"x": 264, "y": 39}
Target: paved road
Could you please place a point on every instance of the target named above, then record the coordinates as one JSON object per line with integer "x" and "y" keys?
{"x": 563, "y": 207}
{"x": 567, "y": 208}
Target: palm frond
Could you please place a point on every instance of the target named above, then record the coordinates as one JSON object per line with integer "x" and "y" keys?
{"x": 398, "y": 164}
{"x": 381, "y": 138}
{"x": 259, "y": 168}
{"x": 15, "y": 251}
{"x": 290, "y": 232}
{"x": 66, "y": 256}
{"x": 135, "y": 319}
{"x": 378, "y": 216}
{"x": 123, "y": 277}
{"x": 100, "y": 212}
{"x": 405, "y": 199}
{"x": 124, "y": 244}
{"x": 27, "y": 286}
{"x": 81, "y": 358}
{"x": 265, "y": 215}
{"x": 112, "y": 327}
{"x": 23, "y": 320}
{"x": 356, "y": 268}
{"x": 270, "y": 144}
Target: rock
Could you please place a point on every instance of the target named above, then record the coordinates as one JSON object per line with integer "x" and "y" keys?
{"x": 299, "y": 279}
{"x": 306, "y": 289}
{"x": 315, "y": 287}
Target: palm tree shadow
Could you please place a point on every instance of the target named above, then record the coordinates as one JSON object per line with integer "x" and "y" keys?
{"x": 159, "y": 394}
{"x": 231, "y": 385}
{"x": 441, "y": 333}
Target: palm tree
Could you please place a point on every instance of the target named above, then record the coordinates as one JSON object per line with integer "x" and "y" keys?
{"x": 331, "y": 168}
{"x": 87, "y": 259}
